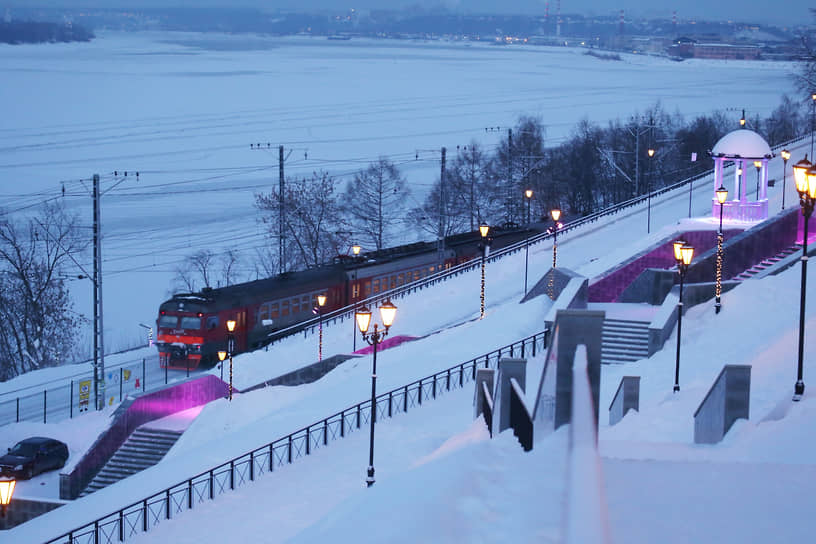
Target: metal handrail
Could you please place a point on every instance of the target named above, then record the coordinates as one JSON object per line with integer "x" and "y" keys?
{"x": 139, "y": 516}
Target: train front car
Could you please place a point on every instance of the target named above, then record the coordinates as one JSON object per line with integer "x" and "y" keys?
{"x": 181, "y": 338}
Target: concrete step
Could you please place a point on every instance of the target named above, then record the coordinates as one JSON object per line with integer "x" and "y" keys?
{"x": 143, "y": 449}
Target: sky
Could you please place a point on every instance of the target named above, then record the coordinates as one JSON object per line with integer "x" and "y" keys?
{"x": 796, "y": 11}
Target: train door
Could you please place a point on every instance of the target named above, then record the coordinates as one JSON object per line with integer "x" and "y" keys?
{"x": 241, "y": 331}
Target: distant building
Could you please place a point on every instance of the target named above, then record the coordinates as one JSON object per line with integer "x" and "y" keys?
{"x": 725, "y": 51}
{"x": 689, "y": 48}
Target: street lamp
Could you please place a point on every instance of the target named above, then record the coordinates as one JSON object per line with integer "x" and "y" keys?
{"x": 651, "y": 153}
{"x": 682, "y": 254}
{"x": 812, "y": 118}
{"x": 230, "y": 350}
{"x": 555, "y": 213}
{"x": 363, "y": 317}
{"x": 321, "y": 301}
{"x": 221, "y": 356}
{"x": 806, "y": 187}
{"x": 722, "y": 195}
{"x": 484, "y": 246}
{"x": 529, "y": 194}
{"x": 6, "y": 491}
{"x": 355, "y": 250}
{"x": 785, "y": 156}
{"x": 758, "y": 166}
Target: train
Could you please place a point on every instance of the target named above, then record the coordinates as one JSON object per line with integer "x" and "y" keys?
{"x": 191, "y": 327}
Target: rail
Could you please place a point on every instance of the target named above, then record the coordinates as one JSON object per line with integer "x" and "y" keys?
{"x": 142, "y": 515}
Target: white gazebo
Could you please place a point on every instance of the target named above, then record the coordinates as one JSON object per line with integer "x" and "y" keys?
{"x": 748, "y": 151}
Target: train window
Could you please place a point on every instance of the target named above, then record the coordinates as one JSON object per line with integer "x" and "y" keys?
{"x": 416, "y": 275}
{"x": 284, "y": 308}
{"x": 295, "y": 305}
{"x": 169, "y": 321}
{"x": 431, "y": 269}
{"x": 367, "y": 289}
{"x": 263, "y": 312}
{"x": 393, "y": 281}
{"x": 192, "y": 323}
{"x": 212, "y": 322}
{"x": 376, "y": 288}
{"x": 355, "y": 291}
{"x": 447, "y": 265}
{"x": 273, "y": 310}
{"x": 305, "y": 303}
{"x": 400, "y": 279}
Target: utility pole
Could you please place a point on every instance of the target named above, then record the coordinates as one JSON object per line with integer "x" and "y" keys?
{"x": 99, "y": 336}
{"x": 281, "y": 210}
{"x": 509, "y": 197}
{"x": 442, "y": 210}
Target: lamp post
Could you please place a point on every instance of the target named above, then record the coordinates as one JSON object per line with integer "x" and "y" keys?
{"x": 484, "y": 246}
{"x": 529, "y": 195}
{"x": 805, "y": 176}
{"x": 230, "y": 350}
{"x": 651, "y": 153}
{"x": 363, "y": 317}
{"x": 785, "y": 156}
{"x": 321, "y": 301}
{"x": 355, "y": 251}
{"x": 682, "y": 254}
{"x": 221, "y": 356}
{"x": 6, "y": 491}
{"x": 722, "y": 195}
{"x": 758, "y": 166}
{"x": 812, "y": 119}
{"x": 555, "y": 213}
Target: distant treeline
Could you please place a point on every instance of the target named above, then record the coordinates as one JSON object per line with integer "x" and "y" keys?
{"x": 16, "y": 32}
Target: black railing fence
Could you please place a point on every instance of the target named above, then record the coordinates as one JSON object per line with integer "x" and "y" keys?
{"x": 71, "y": 399}
{"x": 141, "y": 516}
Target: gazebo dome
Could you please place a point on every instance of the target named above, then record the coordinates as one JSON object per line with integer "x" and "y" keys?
{"x": 742, "y": 143}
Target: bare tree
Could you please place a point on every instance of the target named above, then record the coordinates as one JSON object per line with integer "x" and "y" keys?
{"x": 194, "y": 269}
{"x": 311, "y": 221}
{"x": 39, "y": 324}
{"x": 468, "y": 182}
{"x": 372, "y": 200}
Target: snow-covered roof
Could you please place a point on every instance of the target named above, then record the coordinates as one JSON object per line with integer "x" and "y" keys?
{"x": 742, "y": 143}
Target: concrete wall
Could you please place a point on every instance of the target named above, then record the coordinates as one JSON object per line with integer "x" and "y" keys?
{"x": 130, "y": 415}
{"x": 553, "y": 403}
{"x": 21, "y": 510}
{"x": 508, "y": 369}
{"x": 746, "y": 248}
{"x": 561, "y": 279}
{"x": 610, "y": 286}
{"x": 627, "y": 397}
{"x": 726, "y": 401}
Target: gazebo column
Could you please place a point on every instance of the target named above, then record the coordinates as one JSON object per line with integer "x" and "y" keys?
{"x": 764, "y": 182}
{"x": 743, "y": 193}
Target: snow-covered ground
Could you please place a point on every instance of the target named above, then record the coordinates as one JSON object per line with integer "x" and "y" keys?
{"x": 182, "y": 110}
{"x": 440, "y": 479}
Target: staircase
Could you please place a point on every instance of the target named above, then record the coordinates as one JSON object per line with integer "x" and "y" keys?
{"x": 144, "y": 448}
{"x": 623, "y": 341}
{"x": 767, "y": 263}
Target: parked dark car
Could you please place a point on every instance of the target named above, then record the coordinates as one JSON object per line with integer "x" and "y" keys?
{"x": 32, "y": 456}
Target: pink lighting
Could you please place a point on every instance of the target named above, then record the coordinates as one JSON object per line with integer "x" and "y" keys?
{"x": 385, "y": 344}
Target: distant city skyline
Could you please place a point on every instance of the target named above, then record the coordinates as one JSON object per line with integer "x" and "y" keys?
{"x": 795, "y": 12}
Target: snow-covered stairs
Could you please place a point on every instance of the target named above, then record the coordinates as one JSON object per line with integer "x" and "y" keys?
{"x": 767, "y": 263}
{"x": 144, "y": 448}
{"x": 624, "y": 340}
